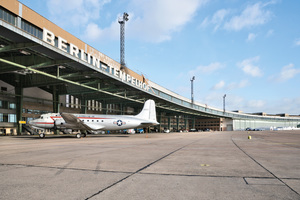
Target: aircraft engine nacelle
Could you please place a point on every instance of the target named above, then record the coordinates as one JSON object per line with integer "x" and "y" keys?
{"x": 60, "y": 123}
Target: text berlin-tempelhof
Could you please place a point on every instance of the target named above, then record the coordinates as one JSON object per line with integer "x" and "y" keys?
{"x": 62, "y": 44}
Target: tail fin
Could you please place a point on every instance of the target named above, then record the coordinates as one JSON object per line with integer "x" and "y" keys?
{"x": 148, "y": 112}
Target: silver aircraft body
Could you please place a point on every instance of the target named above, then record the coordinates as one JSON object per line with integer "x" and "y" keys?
{"x": 95, "y": 122}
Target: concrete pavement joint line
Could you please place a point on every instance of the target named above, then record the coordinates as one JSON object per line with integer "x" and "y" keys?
{"x": 136, "y": 172}
{"x": 62, "y": 168}
{"x": 143, "y": 173}
{"x": 263, "y": 167}
{"x": 245, "y": 180}
{"x": 209, "y": 176}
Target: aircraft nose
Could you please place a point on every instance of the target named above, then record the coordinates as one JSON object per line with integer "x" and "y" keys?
{"x": 31, "y": 122}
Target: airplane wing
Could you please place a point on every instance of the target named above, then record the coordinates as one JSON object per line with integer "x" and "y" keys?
{"x": 70, "y": 119}
{"x": 76, "y": 123}
{"x": 94, "y": 127}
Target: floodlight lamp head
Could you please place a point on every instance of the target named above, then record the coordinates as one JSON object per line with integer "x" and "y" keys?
{"x": 125, "y": 16}
{"x": 120, "y": 20}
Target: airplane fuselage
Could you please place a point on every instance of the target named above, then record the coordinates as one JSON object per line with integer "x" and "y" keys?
{"x": 107, "y": 122}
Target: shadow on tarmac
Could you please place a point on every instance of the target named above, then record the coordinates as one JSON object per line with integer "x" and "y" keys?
{"x": 67, "y": 136}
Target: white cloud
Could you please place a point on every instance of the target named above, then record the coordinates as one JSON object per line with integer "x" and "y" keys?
{"x": 252, "y": 15}
{"x": 249, "y": 68}
{"x": 231, "y": 86}
{"x": 219, "y": 85}
{"x": 206, "y": 69}
{"x": 217, "y": 19}
{"x": 235, "y": 102}
{"x": 235, "y": 85}
{"x": 281, "y": 105}
{"x": 251, "y": 37}
{"x": 289, "y": 105}
{"x": 93, "y": 32}
{"x": 77, "y": 13}
{"x": 256, "y": 103}
{"x": 215, "y": 99}
{"x": 287, "y": 72}
{"x": 151, "y": 21}
{"x": 156, "y": 20}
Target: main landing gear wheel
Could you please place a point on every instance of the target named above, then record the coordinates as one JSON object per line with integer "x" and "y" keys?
{"x": 78, "y": 135}
{"x": 42, "y": 135}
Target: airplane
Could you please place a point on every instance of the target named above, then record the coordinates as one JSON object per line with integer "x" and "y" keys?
{"x": 93, "y": 122}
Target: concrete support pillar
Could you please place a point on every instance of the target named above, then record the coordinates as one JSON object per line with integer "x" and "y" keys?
{"x": 83, "y": 105}
{"x": 169, "y": 123}
{"x": 186, "y": 123}
{"x": 177, "y": 123}
{"x": 193, "y": 122}
{"x": 19, "y": 106}
{"x": 121, "y": 109}
{"x": 55, "y": 99}
{"x": 104, "y": 107}
{"x": 159, "y": 121}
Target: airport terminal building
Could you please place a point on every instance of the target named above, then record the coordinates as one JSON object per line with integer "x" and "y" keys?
{"x": 44, "y": 69}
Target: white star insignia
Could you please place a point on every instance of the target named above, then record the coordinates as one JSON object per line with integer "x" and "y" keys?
{"x": 119, "y": 123}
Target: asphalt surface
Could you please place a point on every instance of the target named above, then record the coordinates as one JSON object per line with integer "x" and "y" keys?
{"x": 215, "y": 165}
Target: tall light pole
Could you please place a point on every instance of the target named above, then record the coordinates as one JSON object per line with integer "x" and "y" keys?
{"x": 224, "y": 102}
{"x": 122, "y": 21}
{"x": 192, "y": 89}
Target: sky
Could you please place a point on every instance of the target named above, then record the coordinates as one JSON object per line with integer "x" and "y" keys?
{"x": 248, "y": 50}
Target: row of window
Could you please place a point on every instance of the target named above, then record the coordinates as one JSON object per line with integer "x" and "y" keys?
{"x": 7, "y": 16}
{"x": 4, "y": 117}
{"x": 7, "y": 105}
{"x": 201, "y": 122}
{"x": 87, "y": 120}
{"x": 208, "y": 125}
{"x": 26, "y": 26}
{"x": 12, "y": 106}
{"x": 30, "y": 111}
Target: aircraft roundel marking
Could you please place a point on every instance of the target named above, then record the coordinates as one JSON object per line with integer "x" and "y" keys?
{"x": 119, "y": 122}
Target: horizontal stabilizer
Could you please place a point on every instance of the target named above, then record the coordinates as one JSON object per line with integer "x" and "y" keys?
{"x": 146, "y": 124}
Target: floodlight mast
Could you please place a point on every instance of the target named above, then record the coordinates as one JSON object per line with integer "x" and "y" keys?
{"x": 192, "y": 89}
{"x": 122, "y": 21}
